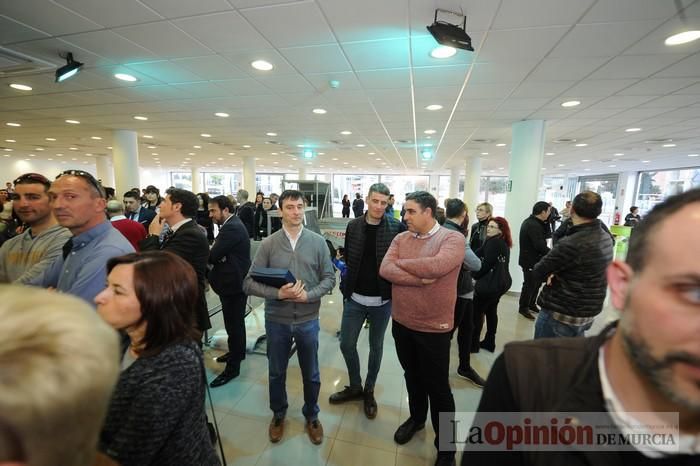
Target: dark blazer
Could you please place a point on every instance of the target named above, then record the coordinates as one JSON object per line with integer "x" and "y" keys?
{"x": 533, "y": 242}
{"x": 190, "y": 243}
{"x": 246, "y": 213}
{"x": 146, "y": 216}
{"x": 230, "y": 256}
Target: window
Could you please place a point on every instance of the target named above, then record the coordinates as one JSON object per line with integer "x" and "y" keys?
{"x": 606, "y": 186}
{"x": 268, "y": 183}
{"x": 444, "y": 188}
{"x": 350, "y": 184}
{"x": 182, "y": 180}
{"x": 400, "y": 185}
{"x": 493, "y": 191}
{"x": 655, "y": 186}
{"x": 222, "y": 183}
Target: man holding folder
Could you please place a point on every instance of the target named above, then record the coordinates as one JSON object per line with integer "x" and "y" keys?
{"x": 291, "y": 311}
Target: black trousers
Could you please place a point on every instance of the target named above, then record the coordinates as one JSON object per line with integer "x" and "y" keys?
{"x": 233, "y": 308}
{"x": 485, "y": 306}
{"x": 529, "y": 291}
{"x": 425, "y": 359}
{"x": 464, "y": 325}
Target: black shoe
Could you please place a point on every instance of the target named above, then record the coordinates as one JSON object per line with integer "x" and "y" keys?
{"x": 488, "y": 346}
{"x": 445, "y": 461}
{"x": 474, "y": 350}
{"x": 370, "y": 404}
{"x": 225, "y": 377}
{"x": 471, "y": 375}
{"x": 406, "y": 430}
{"x": 346, "y": 394}
{"x": 223, "y": 358}
{"x": 525, "y": 313}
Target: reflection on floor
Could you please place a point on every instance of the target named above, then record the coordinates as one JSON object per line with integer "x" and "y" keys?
{"x": 243, "y": 415}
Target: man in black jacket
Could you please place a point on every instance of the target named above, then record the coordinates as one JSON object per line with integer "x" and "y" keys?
{"x": 367, "y": 296}
{"x": 647, "y": 362}
{"x": 185, "y": 239}
{"x": 533, "y": 247}
{"x": 484, "y": 211}
{"x": 575, "y": 273}
{"x": 246, "y": 212}
{"x": 358, "y": 206}
{"x": 230, "y": 260}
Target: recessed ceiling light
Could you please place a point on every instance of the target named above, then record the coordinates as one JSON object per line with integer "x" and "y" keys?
{"x": 429, "y": 131}
{"x": 560, "y": 165}
{"x": 148, "y": 136}
{"x": 72, "y": 148}
{"x": 187, "y": 158}
{"x": 247, "y": 146}
{"x": 633, "y": 130}
{"x": 6, "y": 155}
{"x": 109, "y": 147}
{"x": 7, "y": 149}
{"x": 360, "y": 145}
{"x": 617, "y": 154}
{"x": 586, "y": 169}
{"x": 500, "y": 145}
{"x": 88, "y": 155}
{"x": 571, "y": 103}
{"x": 543, "y": 169}
{"x": 73, "y": 122}
{"x": 141, "y": 118}
{"x": 682, "y": 38}
{"x": 443, "y": 52}
{"x": 300, "y": 145}
{"x": 371, "y": 153}
{"x": 197, "y": 147}
{"x": 585, "y": 160}
{"x": 39, "y": 148}
{"x": 10, "y": 140}
{"x": 669, "y": 145}
{"x": 319, "y": 111}
{"x": 612, "y": 166}
{"x": 434, "y": 107}
{"x": 231, "y": 153}
{"x": 271, "y": 134}
{"x": 274, "y": 153}
{"x": 262, "y": 65}
{"x": 294, "y": 158}
{"x": 59, "y": 155}
{"x": 126, "y": 77}
{"x": 190, "y": 153}
{"x": 346, "y": 133}
{"x": 646, "y": 161}
{"x": 500, "y": 168}
{"x": 205, "y": 135}
{"x": 21, "y": 87}
{"x": 693, "y": 155}
{"x": 321, "y": 153}
{"x": 335, "y": 158}
{"x": 222, "y": 114}
{"x": 220, "y": 158}
{"x": 549, "y": 153}
{"x": 484, "y": 153}
{"x": 74, "y": 158}
{"x": 377, "y": 158}
{"x": 581, "y": 144}
{"x": 96, "y": 138}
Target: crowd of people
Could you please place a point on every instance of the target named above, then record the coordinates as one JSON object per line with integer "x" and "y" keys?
{"x": 143, "y": 262}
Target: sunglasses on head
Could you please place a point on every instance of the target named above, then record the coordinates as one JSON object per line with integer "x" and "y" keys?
{"x": 87, "y": 177}
{"x": 32, "y": 178}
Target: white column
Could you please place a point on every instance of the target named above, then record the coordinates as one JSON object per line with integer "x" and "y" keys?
{"x": 197, "y": 180}
{"x": 525, "y": 169}
{"x": 249, "y": 176}
{"x": 104, "y": 171}
{"x": 125, "y": 156}
{"x": 302, "y": 173}
{"x": 472, "y": 181}
{"x": 454, "y": 182}
{"x": 624, "y": 197}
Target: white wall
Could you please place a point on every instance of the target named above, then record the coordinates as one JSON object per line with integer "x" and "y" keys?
{"x": 11, "y": 169}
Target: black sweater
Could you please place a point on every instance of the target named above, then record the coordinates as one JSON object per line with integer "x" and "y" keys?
{"x": 156, "y": 416}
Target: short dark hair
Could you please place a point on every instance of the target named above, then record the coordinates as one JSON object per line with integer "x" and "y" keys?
{"x": 358, "y": 195}
{"x": 205, "y": 198}
{"x": 223, "y": 202}
{"x": 454, "y": 208}
{"x": 291, "y": 194}
{"x": 539, "y": 207}
{"x": 151, "y": 189}
{"x": 588, "y": 204}
{"x": 33, "y": 178}
{"x": 132, "y": 195}
{"x": 186, "y": 198}
{"x": 633, "y": 208}
{"x": 380, "y": 188}
{"x": 639, "y": 241}
{"x": 424, "y": 199}
{"x": 167, "y": 290}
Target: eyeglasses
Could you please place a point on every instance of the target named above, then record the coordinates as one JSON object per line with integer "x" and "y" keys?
{"x": 87, "y": 177}
{"x": 32, "y": 178}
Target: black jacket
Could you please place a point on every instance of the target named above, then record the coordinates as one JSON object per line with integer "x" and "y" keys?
{"x": 146, "y": 216}
{"x": 489, "y": 253}
{"x": 552, "y": 375}
{"x": 358, "y": 207}
{"x": 230, "y": 256}
{"x": 204, "y": 220}
{"x": 190, "y": 243}
{"x": 260, "y": 222}
{"x": 355, "y": 244}
{"x": 478, "y": 235}
{"x": 246, "y": 213}
{"x": 533, "y": 242}
{"x": 578, "y": 262}
{"x": 464, "y": 282}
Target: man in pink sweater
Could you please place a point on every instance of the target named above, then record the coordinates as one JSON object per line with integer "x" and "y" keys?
{"x": 423, "y": 264}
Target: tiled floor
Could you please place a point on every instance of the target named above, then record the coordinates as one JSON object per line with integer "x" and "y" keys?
{"x": 242, "y": 412}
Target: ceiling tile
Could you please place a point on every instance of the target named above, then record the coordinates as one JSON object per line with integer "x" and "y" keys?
{"x": 508, "y": 72}
{"x": 658, "y": 86}
{"x": 317, "y": 59}
{"x": 223, "y": 32}
{"x": 291, "y": 25}
{"x": 516, "y": 14}
{"x": 54, "y": 19}
{"x": 376, "y": 55}
{"x": 166, "y": 71}
{"x": 384, "y": 79}
{"x": 633, "y": 66}
{"x": 112, "y": 46}
{"x": 502, "y": 46}
{"x": 439, "y": 76}
{"x": 170, "y": 9}
{"x": 366, "y": 20}
{"x": 210, "y": 67}
{"x": 631, "y": 10}
{"x": 601, "y": 40}
{"x": 566, "y": 69}
{"x": 12, "y": 31}
{"x": 164, "y": 40}
{"x": 111, "y": 14}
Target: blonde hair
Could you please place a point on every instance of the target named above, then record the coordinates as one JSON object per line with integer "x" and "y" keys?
{"x": 59, "y": 363}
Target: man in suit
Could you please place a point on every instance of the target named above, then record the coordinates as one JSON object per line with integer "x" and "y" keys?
{"x": 133, "y": 210}
{"x": 185, "y": 239}
{"x": 246, "y": 212}
{"x": 230, "y": 258}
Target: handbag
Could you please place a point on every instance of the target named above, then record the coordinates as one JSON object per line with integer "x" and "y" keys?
{"x": 497, "y": 281}
{"x": 272, "y": 277}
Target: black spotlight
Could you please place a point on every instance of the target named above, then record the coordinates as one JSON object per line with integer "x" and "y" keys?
{"x": 70, "y": 69}
{"x": 449, "y": 34}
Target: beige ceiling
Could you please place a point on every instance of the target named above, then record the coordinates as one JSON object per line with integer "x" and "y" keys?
{"x": 192, "y": 59}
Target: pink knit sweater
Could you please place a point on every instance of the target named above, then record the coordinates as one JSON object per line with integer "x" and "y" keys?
{"x": 425, "y": 308}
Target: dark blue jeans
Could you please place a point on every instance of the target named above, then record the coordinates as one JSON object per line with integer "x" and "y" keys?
{"x": 279, "y": 345}
{"x": 547, "y": 326}
{"x": 354, "y": 315}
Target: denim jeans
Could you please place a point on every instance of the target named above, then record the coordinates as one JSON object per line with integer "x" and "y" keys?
{"x": 279, "y": 345}
{"x": 354, "y": 315}
{"x": 547, "y": 326}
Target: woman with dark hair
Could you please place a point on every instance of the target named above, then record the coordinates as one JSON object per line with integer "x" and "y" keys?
{"x": 261, "y": 219}
{"x": 156, "y": 415}
{"x": 495, "y": 281}
{"x": 203, "y": 215}
{"x": 346, "y": 206}
{"x": 153, "y": 199}
{"x": 259, "y": 196}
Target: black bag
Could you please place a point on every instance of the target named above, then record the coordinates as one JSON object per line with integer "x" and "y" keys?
{"x": 272, "y": 277}
{"x": 497, "y": 281}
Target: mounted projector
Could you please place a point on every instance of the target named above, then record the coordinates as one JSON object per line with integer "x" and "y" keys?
{"x": 70, "y": 69}
{"x": 451, "y": 35}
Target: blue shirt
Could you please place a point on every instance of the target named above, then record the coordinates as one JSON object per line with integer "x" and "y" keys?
{"x": 84, "y": 272}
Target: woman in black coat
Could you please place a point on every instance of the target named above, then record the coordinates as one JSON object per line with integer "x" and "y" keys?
{"x": 494, "y": 254}
{"x": 346, "y": 206}
{"x": 203, "y": 216}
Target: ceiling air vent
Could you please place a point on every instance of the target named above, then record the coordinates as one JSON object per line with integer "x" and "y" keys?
{"x": 564, "y": 140}
{"x": 483, "y": 141}
{"x": 15, "y": 63}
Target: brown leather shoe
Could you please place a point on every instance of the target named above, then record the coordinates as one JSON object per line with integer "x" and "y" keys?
{"x": 315, "y": 431}
{"x": 276, "y": 430}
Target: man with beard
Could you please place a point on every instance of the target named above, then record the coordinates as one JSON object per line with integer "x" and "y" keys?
{"x": 647, "y": 362}
{"x": 27, "y": 255}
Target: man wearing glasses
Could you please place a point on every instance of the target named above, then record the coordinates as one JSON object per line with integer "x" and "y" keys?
{"x": 78, "y": 203}
{"x": 30, "y": 253}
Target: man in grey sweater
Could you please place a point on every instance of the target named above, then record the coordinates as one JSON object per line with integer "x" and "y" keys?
{"x": 291, "y": 312}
